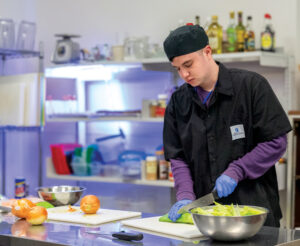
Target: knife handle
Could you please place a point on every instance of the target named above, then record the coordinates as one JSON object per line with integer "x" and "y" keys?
{"x": 128, "y": 236}
{"x": 215, "y": 194}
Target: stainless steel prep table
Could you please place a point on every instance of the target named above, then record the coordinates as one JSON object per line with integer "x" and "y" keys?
{"x": 51, "y": 234}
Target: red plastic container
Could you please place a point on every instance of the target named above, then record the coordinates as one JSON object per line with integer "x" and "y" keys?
{"x": 59, "y": 159}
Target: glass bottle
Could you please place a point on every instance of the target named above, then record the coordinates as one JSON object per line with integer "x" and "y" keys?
{"x": 249, "y": 35}
{"x": 231, "y": 34}
{"x": 240, "y": 32}
{"x": 163, "y": 168}
{"x": 267, "y": 36}
{"x": 207, "y": 24}
{"x": 215, "y": 35}
{"x": 197, "y": 20}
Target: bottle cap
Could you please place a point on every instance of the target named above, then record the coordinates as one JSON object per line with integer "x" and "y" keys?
{"x": 267, "y": 16}
{"x": 162, "y": 96}
{"x": 159, "y": 152}
{"x": 189, "y": 24}
{"x": 151, "y": 158}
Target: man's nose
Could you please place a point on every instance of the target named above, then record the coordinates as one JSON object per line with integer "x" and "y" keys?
{"x": 184, "y": 73}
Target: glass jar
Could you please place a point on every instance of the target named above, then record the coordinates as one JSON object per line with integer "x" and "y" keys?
{"x": 163, "y": 169}
{"x": 162, "y": 104}
{"x": 151, "y": 168}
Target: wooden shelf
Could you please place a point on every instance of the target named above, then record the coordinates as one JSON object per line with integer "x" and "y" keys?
{"x": 51, "y": 174}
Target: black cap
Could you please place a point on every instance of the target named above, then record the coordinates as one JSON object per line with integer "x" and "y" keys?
{"x": 185, "y": 40}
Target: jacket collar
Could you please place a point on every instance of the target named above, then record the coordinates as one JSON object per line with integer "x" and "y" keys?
{"x": 224, "y": 85}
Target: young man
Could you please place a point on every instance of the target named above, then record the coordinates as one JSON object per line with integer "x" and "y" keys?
{"x": 224, "y": 129}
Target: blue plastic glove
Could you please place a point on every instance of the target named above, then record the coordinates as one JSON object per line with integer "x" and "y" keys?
{"x": 173, "y": 215}
{"x": 225, "y": 185}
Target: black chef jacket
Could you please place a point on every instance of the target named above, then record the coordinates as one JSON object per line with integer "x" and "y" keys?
{"x": 204, "y": 137}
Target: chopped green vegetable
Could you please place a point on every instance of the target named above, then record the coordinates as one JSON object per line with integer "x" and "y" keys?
{"x": 45, "y": 204}
{"x": 227, "y": 210}
{"x": 185, "y": 218}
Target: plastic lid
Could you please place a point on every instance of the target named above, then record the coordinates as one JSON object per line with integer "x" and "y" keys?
{"x": 151, "y": 158}
{"x": 268, "y": 16}
{"x": 162, "y": 96}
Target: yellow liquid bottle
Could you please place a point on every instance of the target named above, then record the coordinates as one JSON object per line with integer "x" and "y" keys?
{"x": 215, "y": 35}
{"x": 240, "y": 33}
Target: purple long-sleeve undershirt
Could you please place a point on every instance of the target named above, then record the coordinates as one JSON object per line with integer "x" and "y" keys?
{"x": 252, "y": 165}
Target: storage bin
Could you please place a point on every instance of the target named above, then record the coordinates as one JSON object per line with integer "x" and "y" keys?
{"x": 59, "y": 153}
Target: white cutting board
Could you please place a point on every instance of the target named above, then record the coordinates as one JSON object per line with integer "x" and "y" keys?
{"x": 102, "y": 215}
{"x": 152, "y": 224}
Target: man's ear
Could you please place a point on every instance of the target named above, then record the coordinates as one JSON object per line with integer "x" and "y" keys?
{"x": 207, "y": 50}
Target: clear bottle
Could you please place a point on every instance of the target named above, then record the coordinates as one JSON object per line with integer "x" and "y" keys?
{"x": 215, "y": 35}
{"x": 249, "y": 35}
{"x": 240, "y": 33}
{"x": 267, "y": 36}
{"x": 231, "y": 34}
{"x": 207, "y": 24}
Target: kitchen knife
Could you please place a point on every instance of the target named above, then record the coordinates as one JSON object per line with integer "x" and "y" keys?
{"x": 121, "y": 235}
{"x": 202, "y": 201}
{"x": 5, "y": 209}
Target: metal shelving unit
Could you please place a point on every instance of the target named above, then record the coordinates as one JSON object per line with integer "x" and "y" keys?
{"x": 81, "y": 73}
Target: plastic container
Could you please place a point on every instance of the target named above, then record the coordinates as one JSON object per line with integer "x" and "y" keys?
{"x": 151, "y": 168}
{"x": 60, "y": 154}
{"x": 79, "y": 164}
{"x": 111, "y": 146}
{"x": 131, "y": 163}
{"x": 26, "y": 36}
{"x": 7, "y": 34}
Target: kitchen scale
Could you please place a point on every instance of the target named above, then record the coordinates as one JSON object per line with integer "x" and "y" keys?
{"x": 66, "y": 50}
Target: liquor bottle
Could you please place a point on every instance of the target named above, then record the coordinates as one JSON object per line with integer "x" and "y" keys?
{"x": 215, "y": 35}
{"x": 231, "y": 34}
{"x": 267, "y": 36}
{"x": 249, "y": 35}
{"x": 197, "y": 20}
{"x": 207, "y": 24}
{"x": 240, "y": 32}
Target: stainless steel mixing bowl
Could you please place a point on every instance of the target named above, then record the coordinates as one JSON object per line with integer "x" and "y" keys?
{"x": 230, "y": 228}
{"x": 60, "y": 195}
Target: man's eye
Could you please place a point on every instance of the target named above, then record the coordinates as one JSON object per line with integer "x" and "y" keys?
{"x": 188, "y": 64}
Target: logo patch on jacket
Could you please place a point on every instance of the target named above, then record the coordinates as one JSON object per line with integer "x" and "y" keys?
{"x": 237, "y": 132}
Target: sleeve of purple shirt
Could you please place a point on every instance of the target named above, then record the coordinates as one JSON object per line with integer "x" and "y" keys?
{"x": 255, "y": 163}
{"x": 252, "y": 165}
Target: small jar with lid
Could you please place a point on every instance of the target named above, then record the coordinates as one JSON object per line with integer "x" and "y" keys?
{"x": 151, "y": 168}
{"x": 162, "y": 104}
{"x": 153, "y": 106}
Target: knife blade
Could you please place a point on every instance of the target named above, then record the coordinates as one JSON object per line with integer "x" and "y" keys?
{"x": 5, "y": 209}
{"x": 200, "y": 202}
